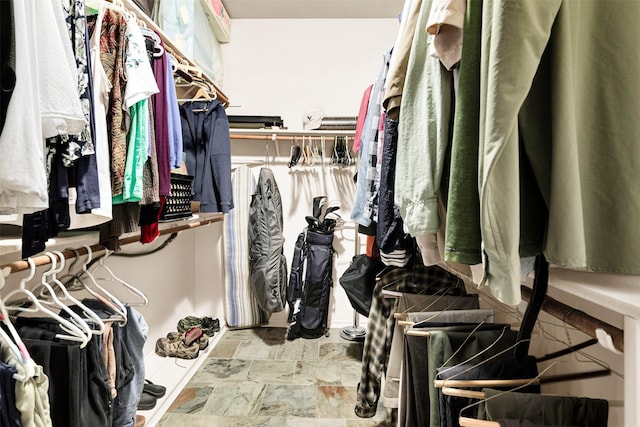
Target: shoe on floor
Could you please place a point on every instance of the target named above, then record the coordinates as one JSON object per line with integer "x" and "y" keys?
{"x": 146, "y": 402}
{"x": 208, "y": 325}
{"x": 140, "y": 421}
{"x": 155, "y": 390}
{"x": 203, "y": 341}
{"x": 176, "y": 348}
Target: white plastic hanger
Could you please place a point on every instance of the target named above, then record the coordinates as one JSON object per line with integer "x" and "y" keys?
{"x": 56, "y": 302}
{"x": 144, "y": 301}
{"x": 111, "y": 301}
{"x": 75, "y": 333}
{"x": 26, "y": 366}
{"x": 66, "y": 296}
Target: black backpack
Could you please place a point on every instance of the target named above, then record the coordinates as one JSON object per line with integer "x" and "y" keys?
{"x": 311, "y": 279}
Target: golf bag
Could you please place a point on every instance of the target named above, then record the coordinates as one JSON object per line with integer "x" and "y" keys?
{"x": 311, "y": 279}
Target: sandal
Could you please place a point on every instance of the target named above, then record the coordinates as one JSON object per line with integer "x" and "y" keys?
{"x": 155, "y": 390}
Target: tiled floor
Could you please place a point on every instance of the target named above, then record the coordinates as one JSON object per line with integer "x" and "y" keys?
{"x": 254, "y": 377}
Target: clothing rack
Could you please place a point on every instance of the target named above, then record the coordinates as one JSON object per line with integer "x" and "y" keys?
{"x": 285, "y": 134}
{"x": 174, "y": 227}
{"x": 173, "y": 49}
{"x": 276, "y": 135}
{"x": 577, "y": 318}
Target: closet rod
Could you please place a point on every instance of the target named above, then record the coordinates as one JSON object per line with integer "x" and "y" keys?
{"x": 268, "y": 137}
{"x": 578, "y": 319}
{"x": 67, "y": 253}
{"x": 237, "y": 133}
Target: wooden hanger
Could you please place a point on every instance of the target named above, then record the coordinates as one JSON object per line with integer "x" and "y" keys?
{"x": 472, "y": 422}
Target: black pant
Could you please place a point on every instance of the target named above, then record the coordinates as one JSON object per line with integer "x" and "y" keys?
{"x": 9, "y": 414}
{"x": 79, "y": 394}
{"x": 450, "y": 406}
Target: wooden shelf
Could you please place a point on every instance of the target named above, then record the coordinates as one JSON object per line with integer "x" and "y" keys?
{"x": 12, "y": 249}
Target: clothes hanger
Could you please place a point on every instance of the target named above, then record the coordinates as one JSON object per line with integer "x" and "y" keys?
{"x": 26, "y": 366}
{"x": 144, "y": 301}
{"x": 105, "y": 296}
{"x": 75, "y": 333}
{"x": 452, "y": 382}
{"x": 443, "y": 293}
{"x": 66, "y": 296}
{"x": 473, "y": 422}
{"x": 56, "y": 302}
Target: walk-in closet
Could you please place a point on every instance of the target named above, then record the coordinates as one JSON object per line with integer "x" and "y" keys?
{"x": 362, "y": 213}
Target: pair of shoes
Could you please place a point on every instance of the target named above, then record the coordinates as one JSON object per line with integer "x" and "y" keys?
{"x": 208, "y": 325}
{"x": 154, "y": 390}
{"x": 167, "y": 347}
{"x": 146, "y": 402}
{"x": 140, "y": 421}
{"x": 195, "y": 336}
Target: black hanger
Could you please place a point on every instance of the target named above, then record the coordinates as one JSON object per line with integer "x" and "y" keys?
{"x": 539, "y": 290}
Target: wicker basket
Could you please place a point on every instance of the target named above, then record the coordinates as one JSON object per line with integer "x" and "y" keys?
{"x": 178, "y": 203}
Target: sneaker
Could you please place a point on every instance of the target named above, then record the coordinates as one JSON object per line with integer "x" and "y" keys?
{"x": 166, "y": 347}
{"x": 193, "y": 335}
{"x": 208, "y": 325}
{"x": 203, "y": 341}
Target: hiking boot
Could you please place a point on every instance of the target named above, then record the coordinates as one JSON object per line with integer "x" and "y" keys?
{"x": 203, "y": 340}
{"x": 166, "y": 347}
{"x": 208, "y": 325}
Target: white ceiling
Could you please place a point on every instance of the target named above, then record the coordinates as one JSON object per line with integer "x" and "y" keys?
{"x": 255, "y": 9}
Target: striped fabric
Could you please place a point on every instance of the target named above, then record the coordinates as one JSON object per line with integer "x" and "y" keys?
{"x": 240, "y": 305}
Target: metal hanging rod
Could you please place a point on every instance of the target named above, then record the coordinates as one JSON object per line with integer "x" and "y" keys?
{"x": 578, "y": 319}
{"x": 269, "y": 133}
{"x": 67, "y": 253}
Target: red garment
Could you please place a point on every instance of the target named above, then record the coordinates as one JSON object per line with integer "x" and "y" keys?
{"x": 372, "y": 248}
{"x": 362, "y": 115}
{"x": 149, "y": 233}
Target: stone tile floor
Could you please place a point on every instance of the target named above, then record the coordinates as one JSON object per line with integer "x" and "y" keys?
{"x": 254, "y": 377}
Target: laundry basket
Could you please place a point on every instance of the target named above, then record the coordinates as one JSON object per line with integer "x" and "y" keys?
{"x": 178, "y": 203}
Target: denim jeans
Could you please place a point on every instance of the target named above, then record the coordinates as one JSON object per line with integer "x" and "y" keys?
{"x": 134, "y": 335}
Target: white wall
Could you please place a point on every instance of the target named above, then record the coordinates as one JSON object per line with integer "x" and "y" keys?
{"x": 283, "y": 67}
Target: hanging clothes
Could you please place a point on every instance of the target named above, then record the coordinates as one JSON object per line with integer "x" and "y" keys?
{"x": 207, "y": 146}
{"x": 394, "y": 83}
{"x": 101, "y": 88}
{"x": 463, "y": 235}
{"x": 423, "y": 137}
{"x": 7, "y": 59}
{"x": 23, "y": 182}
{"x": 544, "y": 410}
{"x": 381, "y": 323}
{"x": 542, "y": 101}
{"x": 31, "y": 396}
{"x": 78, "y": 388}
{"x": 362, "y": 212}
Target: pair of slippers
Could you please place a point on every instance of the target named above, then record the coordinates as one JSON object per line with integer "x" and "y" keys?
{"x": 150, "y": 394}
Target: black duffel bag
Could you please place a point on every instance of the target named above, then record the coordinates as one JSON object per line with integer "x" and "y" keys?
{"x": 358, "y": 281}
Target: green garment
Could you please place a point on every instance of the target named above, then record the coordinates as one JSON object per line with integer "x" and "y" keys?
{"x": 137, "y": 149}
{"x": 559, "y": 83}
{"x": 462, "y": 239}
{"x": 423, "y": 133}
